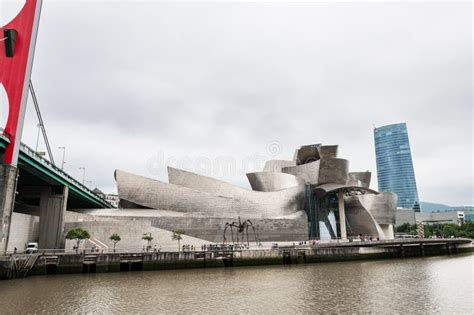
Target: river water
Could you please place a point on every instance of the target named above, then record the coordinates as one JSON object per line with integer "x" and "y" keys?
{"x": 426, "y": 285}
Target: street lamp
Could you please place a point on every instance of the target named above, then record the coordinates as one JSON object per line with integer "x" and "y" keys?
{"x": 64, "y": 154}
{"x": 83, "y": 173}
{"x": 90, "y": 183}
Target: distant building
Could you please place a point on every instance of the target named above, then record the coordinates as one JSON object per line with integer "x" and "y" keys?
{"x": 395, "y": 166}
{"x": 98, "y": 192}
{"x": 110, "y": 198}
{"x": 469, "y": 214}
{"x": 454, "y": 217}
{"x": 410, "y": 216}
{"x": 405, "y": 216}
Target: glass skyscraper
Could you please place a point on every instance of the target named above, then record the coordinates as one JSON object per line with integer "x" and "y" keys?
{"x": 394, "y": 164}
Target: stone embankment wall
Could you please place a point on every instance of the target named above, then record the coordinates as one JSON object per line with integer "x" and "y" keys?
{"x": 114, "y": 262}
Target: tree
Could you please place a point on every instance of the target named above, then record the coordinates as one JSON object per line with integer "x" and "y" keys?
{"x": 78, "y": 234}
{"x": 115, "y": 238}
{"x": 406, "y": 228}
{"x": 147, "y": 237}
{"x": 177, "y": 237}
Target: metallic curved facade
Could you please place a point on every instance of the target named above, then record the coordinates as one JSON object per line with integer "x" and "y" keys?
{"x": 310, "y": 153}
{"x": 328, "y": 151}
{"x": 268, "y": 181}
{"x": 308, "y": 172}
{"x": 314, "y": 196}
{"x": 250, "y": 204}
{"x": 359, "y": 179}
{"x": 325, "y": 189}
{"x": 360, "y": 221}
{"x": 306, "y": 154}
{"x": 277, "y": 165}
{"x": 381, "y": 206}
{"x": 333, "y": 170}
{"x": 206, "y": 184}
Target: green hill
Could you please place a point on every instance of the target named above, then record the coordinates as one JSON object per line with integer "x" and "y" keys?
{"x": 434, "y": 207}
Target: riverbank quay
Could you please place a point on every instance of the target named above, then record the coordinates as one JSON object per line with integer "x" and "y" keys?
{"x": 47, "y": 263}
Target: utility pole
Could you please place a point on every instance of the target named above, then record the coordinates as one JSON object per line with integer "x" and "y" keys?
{"x": 64, "y": 154}
{"x": 83, "y": 173}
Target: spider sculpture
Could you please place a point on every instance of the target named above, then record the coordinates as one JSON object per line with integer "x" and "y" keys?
{"x": 241, "y": 227}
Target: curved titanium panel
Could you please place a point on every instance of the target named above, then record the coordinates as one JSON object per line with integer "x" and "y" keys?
{"x": 306, "y": 154}
{"x": 359, "y": 220}
{"x": 308, "y": 172}
{"x": 269, "y": 181}
{"x": 154, "y": 194}
{"x": 383, "y": 206}
{"x": 203, "y": 183}
{"x": 333, "y": 171}
{"x": 362, "y": 178}
{"x": 236, "y": 201}
{"x": 328, "y": 188}
{"x": 327, "y": 151}
{"x": 277, "y": 165}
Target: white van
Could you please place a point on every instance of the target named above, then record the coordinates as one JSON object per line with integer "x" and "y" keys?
{"x": 32, "y": 247}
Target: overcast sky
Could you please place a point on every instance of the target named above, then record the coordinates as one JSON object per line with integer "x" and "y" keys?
{"x": 137, "y": 86}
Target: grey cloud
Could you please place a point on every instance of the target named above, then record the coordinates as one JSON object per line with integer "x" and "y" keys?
{"x": 119, "y": 81}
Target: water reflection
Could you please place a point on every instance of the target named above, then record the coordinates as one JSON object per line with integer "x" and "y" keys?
{"x": 442, "y": 284}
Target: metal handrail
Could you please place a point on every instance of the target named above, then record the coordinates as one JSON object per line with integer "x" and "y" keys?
{"x": 220, "y": 247}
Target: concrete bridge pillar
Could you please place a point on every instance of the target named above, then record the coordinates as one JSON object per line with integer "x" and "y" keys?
{"x": 8, "y": 180}
{"x": 51, "y": 221}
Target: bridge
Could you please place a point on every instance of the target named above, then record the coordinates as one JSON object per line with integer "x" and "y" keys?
{"x": 34, "y": 193}
{"x": 41, "y": 194}
{"x": 36, "y": 171}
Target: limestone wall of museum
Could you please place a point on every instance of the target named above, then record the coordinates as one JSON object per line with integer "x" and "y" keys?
{"x": 130, "y": 232}
{"x": 210, "y": 229}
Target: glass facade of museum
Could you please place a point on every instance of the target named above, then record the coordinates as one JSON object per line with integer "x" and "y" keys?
{"x": 323, "y": 215}
{"x": 394, "y": 164}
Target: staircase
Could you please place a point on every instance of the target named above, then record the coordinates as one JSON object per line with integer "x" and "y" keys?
{"x": 21, "y": 265}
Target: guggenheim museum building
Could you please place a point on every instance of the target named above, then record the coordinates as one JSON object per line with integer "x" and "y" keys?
{"x": 313, "y": 196}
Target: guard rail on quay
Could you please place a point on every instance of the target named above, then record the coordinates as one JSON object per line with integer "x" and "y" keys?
{"x": 15, "y": 265}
